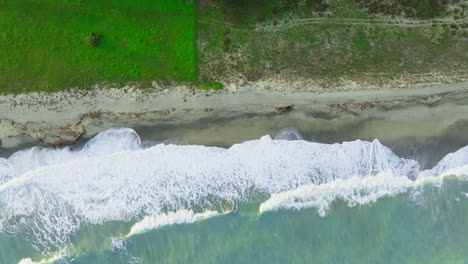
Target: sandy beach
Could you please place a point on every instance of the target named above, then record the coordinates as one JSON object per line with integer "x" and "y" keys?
{"x": 62, "y": 118}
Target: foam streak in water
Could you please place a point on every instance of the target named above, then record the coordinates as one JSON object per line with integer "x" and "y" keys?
{"x": 171, "y": 218}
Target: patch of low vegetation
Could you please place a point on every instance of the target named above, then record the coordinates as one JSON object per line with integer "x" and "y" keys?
{"x": 331, "y": 40}
{"x": 434, "y": 33}
{"x": 413, "y": 8}
{"x": 206, "y": 86}
{"x": 254, "y": 11}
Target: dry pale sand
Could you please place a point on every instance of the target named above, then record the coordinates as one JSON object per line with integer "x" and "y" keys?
{"x": 64, "y": 117}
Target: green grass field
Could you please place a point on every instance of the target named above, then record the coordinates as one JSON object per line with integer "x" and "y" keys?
{"x": 43, "y": 43}
{"x": 45, "y": 46}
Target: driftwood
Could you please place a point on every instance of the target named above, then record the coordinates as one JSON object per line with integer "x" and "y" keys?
{"x": 284, "y": 109}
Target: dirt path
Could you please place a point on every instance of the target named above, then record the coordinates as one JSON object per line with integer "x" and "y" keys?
{"x": 287, "y": 24}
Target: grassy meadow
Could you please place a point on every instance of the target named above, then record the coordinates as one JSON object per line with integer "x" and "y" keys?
{"x": 44, "y": 45}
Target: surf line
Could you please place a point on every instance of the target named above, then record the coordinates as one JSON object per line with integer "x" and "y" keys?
{"x": 356, "y": 191}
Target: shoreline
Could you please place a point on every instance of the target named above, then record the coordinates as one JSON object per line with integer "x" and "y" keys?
{"x": 62, "y": 118}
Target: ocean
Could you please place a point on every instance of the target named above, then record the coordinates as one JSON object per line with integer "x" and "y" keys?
{"x": 276, "y": 199}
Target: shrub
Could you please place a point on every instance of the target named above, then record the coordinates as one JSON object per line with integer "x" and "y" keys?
{"x": 226, "y": 43}
{"x": 433, "y": 33}
{"x": 93, "y": 39}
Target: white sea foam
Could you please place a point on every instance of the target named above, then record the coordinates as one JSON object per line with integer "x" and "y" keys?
{"x": 290, "y": 133}
{"x": 55, "y": 257}
{"x": 355, "y": 191}
{"x": 451, "y": 161}
{"x": 109, "y": 141}
{"x": 113, "y": 178}
{"x": 26, "y": 261}
{"x": 179, "y": 217}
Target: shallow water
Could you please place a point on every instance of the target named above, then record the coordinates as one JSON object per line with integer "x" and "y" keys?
{"x": 120, "y": 199}
{"x": 393, "y": 230}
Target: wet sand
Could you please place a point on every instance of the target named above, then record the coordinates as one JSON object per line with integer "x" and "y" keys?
{"x": 226, "y": 117}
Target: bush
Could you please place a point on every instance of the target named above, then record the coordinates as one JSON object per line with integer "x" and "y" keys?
{"x": 226, "y": 43}
{"x": 93, "y": 39}
{"x": 433, "y": 33}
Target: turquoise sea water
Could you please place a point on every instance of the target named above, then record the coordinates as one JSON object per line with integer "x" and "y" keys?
{"x": 263, "y": 201}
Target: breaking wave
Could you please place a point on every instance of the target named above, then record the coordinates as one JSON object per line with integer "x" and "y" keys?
{"x": 49, "y": 194}
{"x": 355, "y": 191}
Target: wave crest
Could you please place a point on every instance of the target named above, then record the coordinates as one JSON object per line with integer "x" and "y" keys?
{"x": 180, "y": 217}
